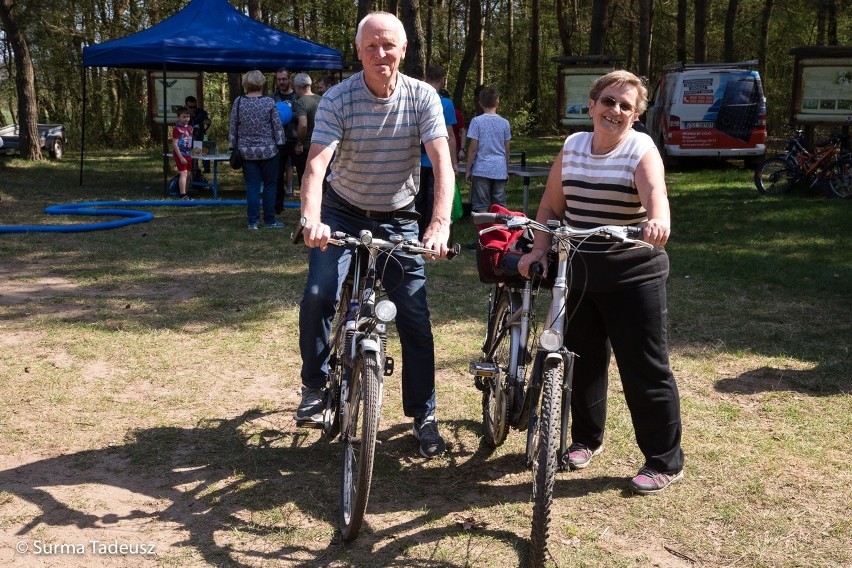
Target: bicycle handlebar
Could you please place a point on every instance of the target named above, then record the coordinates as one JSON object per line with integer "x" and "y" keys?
{"x": 366, "y": 239}
{"x": 621, "y": 233}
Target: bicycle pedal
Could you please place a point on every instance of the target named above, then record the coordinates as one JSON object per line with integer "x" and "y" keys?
{"x": 388, "y": 371}
{"x": 483, "y": 369}
{"x": 310, "y": 424}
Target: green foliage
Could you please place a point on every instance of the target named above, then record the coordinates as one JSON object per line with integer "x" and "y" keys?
{"x": 522, "y": 120}
{"x": 119, "y": 97}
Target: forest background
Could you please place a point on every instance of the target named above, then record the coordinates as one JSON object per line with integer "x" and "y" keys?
{"x": 509, "y": 44}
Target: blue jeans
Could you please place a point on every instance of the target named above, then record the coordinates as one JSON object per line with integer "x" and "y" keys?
{"x": 260, "y": 176}
{"x": 404, "y": 279}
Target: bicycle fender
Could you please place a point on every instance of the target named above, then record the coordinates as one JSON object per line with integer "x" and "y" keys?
{"x": 553, "y": 355}
{"x": 370, "y": 344}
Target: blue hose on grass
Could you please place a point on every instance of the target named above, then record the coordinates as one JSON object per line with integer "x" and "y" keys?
{"x": 131, "y": 217}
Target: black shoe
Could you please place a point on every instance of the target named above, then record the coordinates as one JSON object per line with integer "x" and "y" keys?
{"x": 310, "y": 411}
{"x": 426, "y": 431}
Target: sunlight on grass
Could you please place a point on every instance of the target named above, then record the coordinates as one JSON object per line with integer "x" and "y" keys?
{"x": 167, "y": 355}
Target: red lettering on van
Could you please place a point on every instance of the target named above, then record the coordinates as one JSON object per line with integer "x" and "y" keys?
{"x": 690, "y": 99}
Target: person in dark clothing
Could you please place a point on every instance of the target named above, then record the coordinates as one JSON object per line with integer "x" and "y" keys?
{"x": 200, "y": 122}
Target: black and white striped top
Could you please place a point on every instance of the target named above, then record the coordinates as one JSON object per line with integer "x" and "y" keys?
{"x": 600, "y": 189}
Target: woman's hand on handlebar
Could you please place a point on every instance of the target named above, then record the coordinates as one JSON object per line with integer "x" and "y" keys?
{"x": 656, "y": 232}
{"x": 528, "y": 260}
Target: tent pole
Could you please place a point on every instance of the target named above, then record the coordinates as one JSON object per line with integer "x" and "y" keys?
{"x": 83, "y": 127}
{"x": 165, "y": 139}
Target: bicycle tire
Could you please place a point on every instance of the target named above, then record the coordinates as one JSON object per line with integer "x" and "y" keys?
{"x": 495, "y": 412}
{"x": 774, "y": 176}
{"x": 838, "y": 179}
{"x": 359, "y": 451}
{"x": 544, "y": 461}
{"x": 336, "y": 368}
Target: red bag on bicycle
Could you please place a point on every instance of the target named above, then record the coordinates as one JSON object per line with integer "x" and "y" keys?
{"x": 493, "y": 246}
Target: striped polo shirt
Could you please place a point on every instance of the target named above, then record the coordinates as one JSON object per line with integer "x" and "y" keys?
{"x": 377, "y": 140}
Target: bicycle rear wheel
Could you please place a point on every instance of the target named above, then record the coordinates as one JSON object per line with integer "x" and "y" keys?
{"x": 495, "y": 425}
{"x": 359, "y": 442}
{"x": 838, "y": 180}
{"x": 544, "y": 459}
{"x": 774, "y": 176}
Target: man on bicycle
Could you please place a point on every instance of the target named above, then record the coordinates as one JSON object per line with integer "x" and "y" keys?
{"x": 373, "y": 124}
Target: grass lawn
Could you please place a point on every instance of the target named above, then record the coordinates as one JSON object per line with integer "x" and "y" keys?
{"x": 149, "y": 374}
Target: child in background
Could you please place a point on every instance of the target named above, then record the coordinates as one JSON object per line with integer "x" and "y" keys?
{"x": 182, "y": 148}
{"x": 488, "y": 155}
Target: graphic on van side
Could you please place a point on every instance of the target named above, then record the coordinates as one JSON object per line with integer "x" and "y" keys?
{"x": 735, "y": 103}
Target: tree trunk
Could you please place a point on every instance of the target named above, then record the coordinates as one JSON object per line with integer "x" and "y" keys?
{"x": 646, "y": 20}
{"x": 701, "y": 31}
{"x": 510, "y": 47}
{"x": 363, "y": 10}
{"x": 564, "y": 27}
{"x": 471, "y": 48}
{"x": 680, "y": 46}
{"x": 415, "y": 58}
{"x": 535, "y": 52}
{"x": 598, "y": 28}
{"x": 429, "y": 33}
{"x": 24, "y": 83}
{"x": 763, "y": 40}
{"x": 730, "y": 20}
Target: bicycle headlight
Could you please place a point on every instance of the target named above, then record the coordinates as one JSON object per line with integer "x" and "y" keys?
{"x": 550, "y": 340}
{"x": 385, "y": 311}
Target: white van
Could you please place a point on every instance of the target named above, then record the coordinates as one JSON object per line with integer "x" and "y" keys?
{"x": 709, "y": 110}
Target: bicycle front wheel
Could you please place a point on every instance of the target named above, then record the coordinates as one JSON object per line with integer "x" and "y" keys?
{"x": 494, "y": 403}
{"x": 544, "y": 459}
{"x": 359, "y": 443}
{"x": 774, "y": 176}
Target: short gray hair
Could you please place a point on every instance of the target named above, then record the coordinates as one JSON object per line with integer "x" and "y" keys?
{"x": 254, "y": 80}
{"x": 400, "y": 28}
{"x": 302, "y": 80}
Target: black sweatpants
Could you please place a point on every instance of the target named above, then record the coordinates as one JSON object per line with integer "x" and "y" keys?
{"x": 632, "y": 321}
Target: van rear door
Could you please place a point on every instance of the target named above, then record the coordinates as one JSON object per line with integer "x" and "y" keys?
{"x": 718, "y": 113}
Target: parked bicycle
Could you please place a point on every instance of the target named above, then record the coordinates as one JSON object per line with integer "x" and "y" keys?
{"x": 359, "y": 362}
{"x": 501, "y": 371}
{"x": 826, "y": 169}
{"x": 548, "y": 396}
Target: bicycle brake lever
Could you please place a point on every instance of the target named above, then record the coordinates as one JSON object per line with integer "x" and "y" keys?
{"x": 454, "y": 251}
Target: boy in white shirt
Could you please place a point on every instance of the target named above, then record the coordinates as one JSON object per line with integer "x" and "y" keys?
{"x": 488, "y": 155}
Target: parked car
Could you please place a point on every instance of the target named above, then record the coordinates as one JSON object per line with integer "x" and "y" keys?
{"x": 709, "y": 110}
{"x": 52, "y": 137}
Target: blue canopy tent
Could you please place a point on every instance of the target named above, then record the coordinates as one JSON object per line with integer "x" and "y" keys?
{"x": 207, "y": 35}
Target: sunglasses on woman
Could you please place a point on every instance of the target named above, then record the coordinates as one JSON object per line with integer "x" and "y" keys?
{"x": 610, "y": 102}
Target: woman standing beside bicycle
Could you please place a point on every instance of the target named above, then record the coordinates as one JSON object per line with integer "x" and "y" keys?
{"x": 614, "y": 175}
